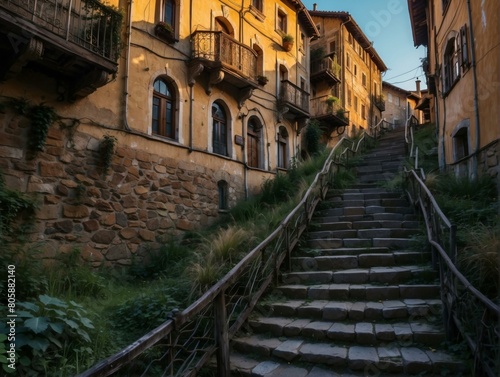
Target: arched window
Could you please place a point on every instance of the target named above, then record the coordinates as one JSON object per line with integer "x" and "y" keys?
{"x": 222, "y": 188}
{"x": 163, "y": 119}
{"x": 282, "y": 148}
{"x": 260, "y": 60}
{"x": 461, "y": 140}
{"x": 219, "y": 130}
{"x": 451, "y": 65}
{"x": 254, "y": 143}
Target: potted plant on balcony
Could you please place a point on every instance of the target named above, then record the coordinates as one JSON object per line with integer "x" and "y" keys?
{"x": 164, "y": 31}
{"x": 262, "y": 80}
{"x": 330, "y": 100}
{"x": 287, "y": 42}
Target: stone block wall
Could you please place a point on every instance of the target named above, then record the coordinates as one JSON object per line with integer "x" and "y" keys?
{"x": 141, "y": 200}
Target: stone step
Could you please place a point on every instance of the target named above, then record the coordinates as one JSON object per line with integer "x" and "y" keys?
{"x": 359, "y": 291}
{"x": 333, "y": 359}
{"x": 351, "y": 311}
{"x": 366, "y": 210}
{"x": 333, "y": 243}
{"x": 345, "y": 270}
{"x": 336, "y": 262}
{"x": 369, "y": 332}
{"x": 362, "y": 194}
{"x": 340, "y": 202}
{"x": 372, "y": 217}
{"x": 364, "y": 233}
{"x": 345, "y": 225}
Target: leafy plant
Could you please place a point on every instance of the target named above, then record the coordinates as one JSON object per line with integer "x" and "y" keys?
{"x": 143, "y": 313}
{"x": 312, "y": 137}
{"x": 51, "y": 335}
{"x": 14, "y": 206}
{"x": 41, "y": 117}
{"x": 107, "y": 149}
{"x": 288, "y": 38}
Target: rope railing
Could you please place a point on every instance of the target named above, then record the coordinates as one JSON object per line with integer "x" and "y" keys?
{"x": 186, "y": 341}
{"x": 465, "y": 309}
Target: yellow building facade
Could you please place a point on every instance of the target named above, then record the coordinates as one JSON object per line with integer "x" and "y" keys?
{"x": 462, "y": 69}
{"x": 345, "y": 66}
{"x": 204, "y": 100}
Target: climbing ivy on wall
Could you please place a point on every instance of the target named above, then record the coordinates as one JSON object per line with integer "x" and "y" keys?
{"x": 41, "y": 118}
{"x": 13, "y": 205}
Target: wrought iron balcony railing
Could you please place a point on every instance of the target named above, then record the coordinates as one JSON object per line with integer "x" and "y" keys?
{"x": 291, "y": 94}
{"x": 379, "y": 101}
{"x": 325, "y": 66}
{"x": 220, "y": 48}
{"x": 86, "y": 23}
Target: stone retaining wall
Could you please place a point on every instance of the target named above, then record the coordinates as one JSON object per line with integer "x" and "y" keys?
{"x": 110, "y": 216}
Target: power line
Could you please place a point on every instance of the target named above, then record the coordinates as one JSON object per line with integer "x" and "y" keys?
{"x": 411, "y": 70}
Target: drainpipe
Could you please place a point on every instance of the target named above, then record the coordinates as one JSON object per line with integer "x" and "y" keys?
{"x": 127, "y": 66}
{"x": 437, "y": 78}
{"x": 191, "y": 86}
{"x": 243, "y": 149}
{"x": 476, "y": 105}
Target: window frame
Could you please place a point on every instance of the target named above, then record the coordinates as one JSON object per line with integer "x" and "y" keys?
{"x": 281, "y": 20}
{"x": 220, "y": 131}
{"x": 451, "y": 64}
{"x": 282, "y": 148}
{"x": 223, "y": 195}
{"x": 164, "y": 99}
{"x": 254, "y": 133}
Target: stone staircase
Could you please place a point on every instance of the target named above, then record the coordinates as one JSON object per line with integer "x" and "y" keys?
{"x": 359, "y": 300}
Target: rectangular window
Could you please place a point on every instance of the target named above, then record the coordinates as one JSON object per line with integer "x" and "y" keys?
{"x": 349, "y": 97}
{"x": 355, "y": 70}
{"x": 355, "y": 104}
{"x": 363, "y": 111}
{"x": 348, "y": 61}
{"x": 333, "y": 48}
{"x": 282, "y": 21}
{"x": 350, "y": 39}
{"x": 257, "y": 4}
{"x": 363, "y": 79}
{"x": 464, "y": 47}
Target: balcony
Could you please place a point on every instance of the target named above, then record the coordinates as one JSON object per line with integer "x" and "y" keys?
{"x": 75, "y": 41}
{"x": 293, "y": 100}
{"x": 379, "y": 101}
{"x": 325, "y": 69}
{"x": 331, "y": 115}
{"x": 224, "y": 58}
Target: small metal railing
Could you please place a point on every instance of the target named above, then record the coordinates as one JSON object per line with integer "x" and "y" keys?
{"x": 411, "y": 147}
{"x": 292, "y": 94}
{"x": 183, "y": 344}
{"x": 465, "y": 309}
{"x": 216, "y": 46}
{"x": 87, "y": 23}
{"x": 379, "y": 101}
{"x": 377, "y": 129}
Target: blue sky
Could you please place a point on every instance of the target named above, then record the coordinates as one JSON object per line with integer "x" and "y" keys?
{"x": 387, "y": 24}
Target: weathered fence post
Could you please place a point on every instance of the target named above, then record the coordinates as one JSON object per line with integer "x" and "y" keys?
{"x": 221, "y": 336}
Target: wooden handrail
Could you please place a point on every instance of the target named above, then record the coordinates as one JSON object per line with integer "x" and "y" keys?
{"x": 291, "y": 228}
{"x": 484, "y": 348}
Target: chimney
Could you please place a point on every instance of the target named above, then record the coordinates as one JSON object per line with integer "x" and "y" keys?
{"x": 315, "y": 6}
{"x": 417, "y": 83}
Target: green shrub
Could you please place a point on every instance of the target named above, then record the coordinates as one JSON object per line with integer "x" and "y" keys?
{"x": 312, "y": 138}
{"x": 52, "y": 337}
{"x": 143, "y": 313}
{"x": 68, "y": 277}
